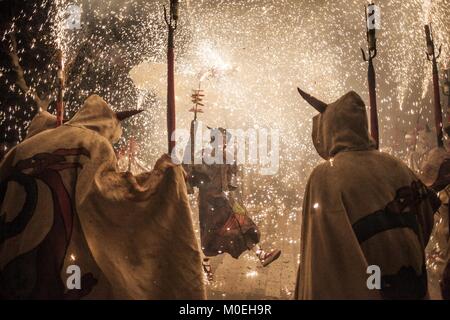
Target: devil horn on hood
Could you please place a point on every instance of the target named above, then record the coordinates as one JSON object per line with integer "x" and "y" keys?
{"x": 122, "y": 115}
{"x": 316, "y": 103}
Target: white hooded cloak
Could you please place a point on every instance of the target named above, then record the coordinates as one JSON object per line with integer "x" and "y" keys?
{"x": 361, "y": 208}
{"x": 64, "y": 204}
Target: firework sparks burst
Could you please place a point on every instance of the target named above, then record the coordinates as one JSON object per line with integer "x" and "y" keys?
{"x": 249, "y": 57}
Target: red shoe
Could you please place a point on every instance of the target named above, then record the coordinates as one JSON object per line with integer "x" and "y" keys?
{"x": 268, "y": 258}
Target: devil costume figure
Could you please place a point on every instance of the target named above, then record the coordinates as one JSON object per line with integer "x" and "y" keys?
{"x": 418, "y": 148}
{"x": 65, "y": 207}
{"x": 361, "y": 208}
{"x": 225, "y": 226}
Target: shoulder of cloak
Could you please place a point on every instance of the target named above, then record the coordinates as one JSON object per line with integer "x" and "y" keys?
{"x": 324, "y": 188}
{"x": 42, "y": 121}
{"x": 325, "y": 174}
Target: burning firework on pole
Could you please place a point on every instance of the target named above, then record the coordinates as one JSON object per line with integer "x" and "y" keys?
{"x": 171, "y": 21}
{"x": 432, "y": 56}
{"x": 197, "y": 98}
{"x": 60, "y": 82}
{"x": 371, "y": 23}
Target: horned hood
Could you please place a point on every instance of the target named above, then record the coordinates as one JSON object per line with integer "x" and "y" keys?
{"x": 343, "y": 126}
{"x": 96, "y": 115}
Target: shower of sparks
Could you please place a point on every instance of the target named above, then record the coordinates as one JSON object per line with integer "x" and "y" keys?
{"x": 249, "y": 57}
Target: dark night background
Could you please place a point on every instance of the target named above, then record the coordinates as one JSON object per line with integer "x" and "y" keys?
{"x": 99, "y": 62}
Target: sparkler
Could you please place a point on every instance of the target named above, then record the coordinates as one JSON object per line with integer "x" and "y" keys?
{"x": 432, "y": 56}
{"x": 172, "y": 22}
{"x": 196, "y": 98}
{"x": 372, "y": 52}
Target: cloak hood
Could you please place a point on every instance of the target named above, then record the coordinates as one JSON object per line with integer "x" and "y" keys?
{"x": 343, "y": 126}
{"x": 96, "y": 115}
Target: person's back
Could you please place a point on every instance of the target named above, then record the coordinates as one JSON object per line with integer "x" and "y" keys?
{"x": 361, "y": 208}
{"x": 64, "y": 204}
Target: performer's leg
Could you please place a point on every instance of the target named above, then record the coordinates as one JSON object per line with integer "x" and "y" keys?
{"x": 207, "y": 269}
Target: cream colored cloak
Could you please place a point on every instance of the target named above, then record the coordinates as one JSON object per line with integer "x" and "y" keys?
{"x": 65, "y": 203}
{"x": 361, "y": 207}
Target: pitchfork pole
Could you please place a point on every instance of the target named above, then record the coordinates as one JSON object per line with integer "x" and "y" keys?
{"x": 432, "y": 56}
{"x": 437, "y": 105}
{"x": 171, "y": 22}
{"x": 372, "y": 52}
{"x": 373, "y": 103}
{"x": 60, "y": 94}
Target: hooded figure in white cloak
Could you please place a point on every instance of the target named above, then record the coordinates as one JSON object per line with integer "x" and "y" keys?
{"x": 66, "y": 209}
{"x": 361, "y": 208}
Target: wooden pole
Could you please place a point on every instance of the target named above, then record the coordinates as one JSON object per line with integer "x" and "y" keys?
{"x": 437, "y": 105}
{"x": 373, "y": 104}
{"x": 59, "y": 98}
{"x": 171, "y": 121}
{"x": 171, "y": 22}
{"x": 371, "y": 79}
{"x": 432, "y": 56}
